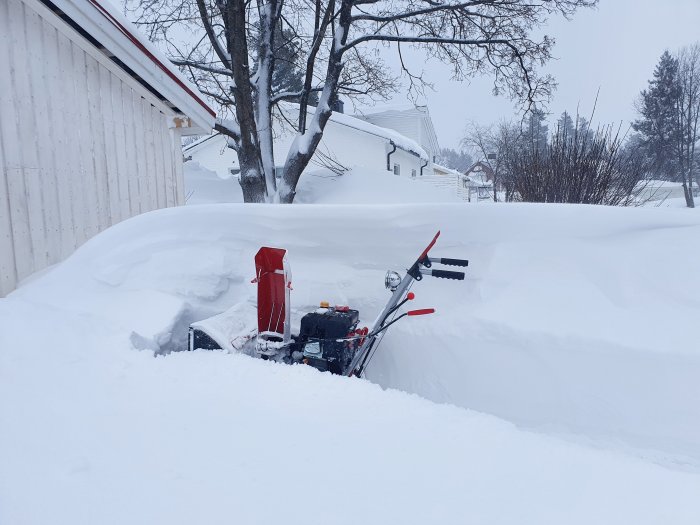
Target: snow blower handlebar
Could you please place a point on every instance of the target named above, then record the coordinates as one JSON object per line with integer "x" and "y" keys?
{"x": 445, "y": 274}
{"x": 449, "y": 262}
{"x": 399, "y": 296}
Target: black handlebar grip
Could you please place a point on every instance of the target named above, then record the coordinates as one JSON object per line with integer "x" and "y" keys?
{"x": 454, "y": 262}
{"x": 446, "y": 274}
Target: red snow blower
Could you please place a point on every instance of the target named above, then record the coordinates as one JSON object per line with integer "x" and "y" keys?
{"x": 329, "y": 338}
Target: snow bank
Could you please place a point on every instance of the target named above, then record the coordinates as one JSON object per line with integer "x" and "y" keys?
{"x": 574, "y": 323}
{"x": 206, "y": 186}
{"x": 363, "y": 186}
{"x": 322, "y": 186}
{"x": 656, "y": 192}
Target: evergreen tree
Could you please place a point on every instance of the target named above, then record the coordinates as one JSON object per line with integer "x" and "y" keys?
{"x": 657, "y": 124}
{"x": 565, "y": 126}
{"x": 583, "y": 128}
{"x": 456, "y": 160}
{"x": 288, "y": 74}
{"x": 536, "y": 133}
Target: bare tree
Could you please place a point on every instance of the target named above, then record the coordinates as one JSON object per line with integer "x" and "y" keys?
{"x": 493, "y": 144}
{"x": 688, "y": 117}
{"x": 229, "y": 48}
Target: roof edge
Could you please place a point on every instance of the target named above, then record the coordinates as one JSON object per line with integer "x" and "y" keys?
{"x": 117, "y": 35}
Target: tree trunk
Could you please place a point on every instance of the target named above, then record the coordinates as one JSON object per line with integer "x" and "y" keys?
{"x": 305, "y": 144}
{"x": 252, "y": 173}
{"x": 252, "y": 181}
{"x": 495, "y": 186}
{"x": 688, "y": 190}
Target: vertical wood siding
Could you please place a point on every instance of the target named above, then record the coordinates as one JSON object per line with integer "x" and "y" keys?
{"x": 82, "y": 145}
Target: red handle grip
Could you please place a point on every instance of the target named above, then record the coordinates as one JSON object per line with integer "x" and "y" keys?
{"x": 424, "y": 311}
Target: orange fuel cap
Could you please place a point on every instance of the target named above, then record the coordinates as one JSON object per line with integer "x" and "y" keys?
{"x": 324, "y": 304}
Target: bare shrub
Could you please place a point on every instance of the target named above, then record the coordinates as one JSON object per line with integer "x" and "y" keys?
{"x": 583, "y": 167}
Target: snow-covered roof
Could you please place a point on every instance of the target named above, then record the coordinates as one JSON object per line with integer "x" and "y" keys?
{"x": 401, "y": 141}
{"x": 445, "y": 169}
{"x": 376, "y": 109}
{"x": 116, "y": 37}
{"x": 201, "y": 140}
{"x": 395, "y": 116}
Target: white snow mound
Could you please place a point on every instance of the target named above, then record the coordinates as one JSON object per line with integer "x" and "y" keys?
{"x": 576, "y": 326}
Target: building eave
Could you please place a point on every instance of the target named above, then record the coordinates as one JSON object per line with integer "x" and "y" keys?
{"x": 108, "y": 30}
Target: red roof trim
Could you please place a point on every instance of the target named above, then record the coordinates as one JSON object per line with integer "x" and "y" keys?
{"x": 150, "y": 55}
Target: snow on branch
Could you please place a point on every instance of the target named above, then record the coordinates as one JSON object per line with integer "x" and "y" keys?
{"x": 231, "y": 130}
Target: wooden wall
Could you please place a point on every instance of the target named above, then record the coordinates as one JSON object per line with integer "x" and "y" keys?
{"x": 82, "y": 144}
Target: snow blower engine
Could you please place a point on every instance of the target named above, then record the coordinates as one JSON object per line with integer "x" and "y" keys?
{"x": 329, "y": 338}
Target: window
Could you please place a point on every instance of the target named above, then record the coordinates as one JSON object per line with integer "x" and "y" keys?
{"x": 413, "y": 173}
{"x": 397, "y": 169}
{"x": 278, "y": 172}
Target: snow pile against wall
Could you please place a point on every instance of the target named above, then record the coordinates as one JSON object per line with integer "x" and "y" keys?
{"x": 205, "y": 186}
{"x": 573, "y": 323}
{"x": 321, "y": 186}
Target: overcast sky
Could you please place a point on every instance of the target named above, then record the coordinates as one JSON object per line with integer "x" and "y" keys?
{"x": 614, "y": 47}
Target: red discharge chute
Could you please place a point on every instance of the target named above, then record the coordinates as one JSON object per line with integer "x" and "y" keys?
{"x": 273, "y": 279}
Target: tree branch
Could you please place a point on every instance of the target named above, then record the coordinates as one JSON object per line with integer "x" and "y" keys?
{"x": 426, "y": 40}
{"x": 220, "y": 52}
{"x": 203, "y": 67}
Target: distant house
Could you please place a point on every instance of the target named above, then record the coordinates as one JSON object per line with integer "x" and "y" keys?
{"x": 91, "y": 117}
{"x": 348, "y": 143}
{"x": 480, "y": 172}
{"x": 413, "y": 122}
{"x": 477, "y": 182}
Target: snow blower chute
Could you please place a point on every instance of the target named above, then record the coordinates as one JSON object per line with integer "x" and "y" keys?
{"x": 329, "y": 338}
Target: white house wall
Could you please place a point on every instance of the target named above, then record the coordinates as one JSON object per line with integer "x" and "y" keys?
{"x": 82, "y": 145}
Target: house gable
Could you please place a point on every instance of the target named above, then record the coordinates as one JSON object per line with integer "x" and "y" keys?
{"x": 112, "y": 35}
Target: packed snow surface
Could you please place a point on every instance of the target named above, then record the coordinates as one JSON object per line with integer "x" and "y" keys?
{"x": 567, "y": 366}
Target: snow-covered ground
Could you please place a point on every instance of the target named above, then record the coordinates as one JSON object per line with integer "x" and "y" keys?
{"x": 566, "y": 365}
{"x": 321, "y": 186}
{"x": 660, "y": 192}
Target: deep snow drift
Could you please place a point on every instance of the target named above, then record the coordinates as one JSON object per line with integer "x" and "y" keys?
{"x": 576, "y": 323}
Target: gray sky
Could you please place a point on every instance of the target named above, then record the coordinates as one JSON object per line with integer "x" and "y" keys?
{"x": 614, "y": 47}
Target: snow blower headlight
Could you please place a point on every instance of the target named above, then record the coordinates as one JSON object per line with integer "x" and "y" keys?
{"x": 392, "y": 280}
